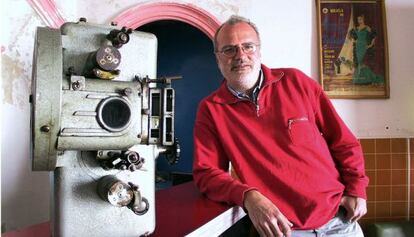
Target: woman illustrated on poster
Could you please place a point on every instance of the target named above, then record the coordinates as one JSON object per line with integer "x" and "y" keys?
{"x": 363, "y": 40}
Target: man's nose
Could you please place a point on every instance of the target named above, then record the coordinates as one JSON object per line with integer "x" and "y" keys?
{"x": 240, "y": 53}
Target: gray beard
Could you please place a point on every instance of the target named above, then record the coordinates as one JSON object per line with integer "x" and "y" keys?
{"x": 246, "y": 82}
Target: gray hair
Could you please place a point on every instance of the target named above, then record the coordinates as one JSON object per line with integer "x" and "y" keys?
{"x": 234, "y": 19}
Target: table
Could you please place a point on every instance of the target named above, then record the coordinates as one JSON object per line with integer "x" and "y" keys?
{"x": 180, "y": 211}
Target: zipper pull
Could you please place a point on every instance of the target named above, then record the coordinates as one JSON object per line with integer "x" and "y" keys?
{"x": 257, "y": 106}
{"x": 295, "y": 120}
{"x": 290, "y": 121}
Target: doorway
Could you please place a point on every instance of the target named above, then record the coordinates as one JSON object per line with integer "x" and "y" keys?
{"x": 186, "y": 51}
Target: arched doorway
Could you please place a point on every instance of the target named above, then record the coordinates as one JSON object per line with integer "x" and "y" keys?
{"x": 186, "y": 51}
{"x": 185, "y": 48}
{"x": 146, "y": 13}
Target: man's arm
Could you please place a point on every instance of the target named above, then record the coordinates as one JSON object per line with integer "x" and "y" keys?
{"x": 344, "y": 147}
{"x": 355, "y": 207}
{"x": 347, "y": 152}
{"x": 210, "y": 171}
{"x": 210, "y": 167}
{"x": 265, "y": 216}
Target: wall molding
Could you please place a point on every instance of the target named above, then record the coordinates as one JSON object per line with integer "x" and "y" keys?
{"x": 142, "y": 14}
{"x": 48, "y": 12}
{"x": 139, "y": 15}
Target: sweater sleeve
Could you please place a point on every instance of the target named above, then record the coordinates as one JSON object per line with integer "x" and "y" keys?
{"x": 210, "y": 167}
{"x": 344, "y": 147}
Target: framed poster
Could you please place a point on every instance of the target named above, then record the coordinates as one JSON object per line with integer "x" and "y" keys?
{"x": 353, "y": 52}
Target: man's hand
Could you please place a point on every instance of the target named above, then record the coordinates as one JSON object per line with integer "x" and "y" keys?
{"x": 265, "y": 216}
{"x": 355, "y": 207}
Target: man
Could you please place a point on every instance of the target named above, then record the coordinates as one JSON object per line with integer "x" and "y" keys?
{"x": 295, "y": 159}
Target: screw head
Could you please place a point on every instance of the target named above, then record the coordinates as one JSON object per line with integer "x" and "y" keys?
{"x": 127, "y": 91}
{"x": 132, "y": 168}
{"x": 45, "y": 128}
{"x": 145, "y": 111}
{"x": 76, "y": 85}
{"x": 123, "y": 38}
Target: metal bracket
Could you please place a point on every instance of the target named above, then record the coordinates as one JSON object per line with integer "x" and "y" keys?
{"x": 139, "y": 205}
{"x": 77, "y": 83}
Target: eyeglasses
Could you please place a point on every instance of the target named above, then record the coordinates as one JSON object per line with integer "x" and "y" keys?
{"x": 231, "y": 50}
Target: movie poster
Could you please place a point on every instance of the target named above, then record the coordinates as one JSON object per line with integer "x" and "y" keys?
{"x": 353, "y": 49}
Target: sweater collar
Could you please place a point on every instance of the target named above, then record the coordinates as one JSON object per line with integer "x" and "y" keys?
{"x": 224, "y": 96}
{"x": 249, "y": 96}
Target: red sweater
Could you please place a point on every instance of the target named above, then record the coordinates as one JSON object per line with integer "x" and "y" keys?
{"x": 294, "y": 149}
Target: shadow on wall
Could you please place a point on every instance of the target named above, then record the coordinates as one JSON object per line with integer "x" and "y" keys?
{"x": 184, "y": 50}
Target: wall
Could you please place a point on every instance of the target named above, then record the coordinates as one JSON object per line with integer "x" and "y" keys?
{"x": 288, "y": 30}
{"x": 25, "y": 194}
{"x": 289, "y": 33}
{"x": 389, "y": 164}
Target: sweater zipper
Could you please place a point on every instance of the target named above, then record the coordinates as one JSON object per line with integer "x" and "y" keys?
{"x": 257, "y": 106}
{"x": 296, "y": 120}
{"x": 258, "y": 96}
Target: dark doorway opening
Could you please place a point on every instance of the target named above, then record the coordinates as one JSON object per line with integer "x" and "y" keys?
{"x": 183, "y": 50}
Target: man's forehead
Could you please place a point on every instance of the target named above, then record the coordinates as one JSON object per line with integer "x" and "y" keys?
{"x": 238, "y": 27}
{"x": 237, "y": 31}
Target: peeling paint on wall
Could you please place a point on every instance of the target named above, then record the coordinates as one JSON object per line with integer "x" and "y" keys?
{"x": 114, "y": 3}
{"x": 16, "y": 58}
{"x": 223, "y": 7}
{"x": 16, "y": 82}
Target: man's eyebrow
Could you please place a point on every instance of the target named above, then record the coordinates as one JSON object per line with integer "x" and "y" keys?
{"x": 249, "y": 42}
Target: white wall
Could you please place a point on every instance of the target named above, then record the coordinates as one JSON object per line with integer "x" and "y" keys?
{"x": 393, "y": 117}
{"x": 288, "y": 30}
{"x": 290, "y": 40}
{"x": 25, "y": 194}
